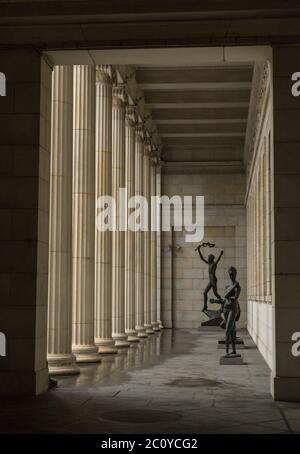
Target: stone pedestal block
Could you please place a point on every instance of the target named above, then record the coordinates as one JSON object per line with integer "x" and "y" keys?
{"x": 231, "y": 360}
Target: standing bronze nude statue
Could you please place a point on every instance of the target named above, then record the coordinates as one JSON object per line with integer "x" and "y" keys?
{"x": 231, "y": 311}
{"x": 212, "y": 268}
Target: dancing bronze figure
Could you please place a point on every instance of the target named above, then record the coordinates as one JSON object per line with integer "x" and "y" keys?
{"x": 212, "y": 268}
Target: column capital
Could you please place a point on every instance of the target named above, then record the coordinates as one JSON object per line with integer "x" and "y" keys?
{"x": 119, "y": 95}
{"x": 139, "y": 128}
{"x": 159, "y": 166}
{"x": 158, "y": 156}
{"x": 131, "y": 116}
{"x": 105, "y": 74}
{"x": 147, "y": 144}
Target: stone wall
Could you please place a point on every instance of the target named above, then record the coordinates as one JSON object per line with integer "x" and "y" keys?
{"x": 286, "y": 218}
{"x": 184, "y": 275}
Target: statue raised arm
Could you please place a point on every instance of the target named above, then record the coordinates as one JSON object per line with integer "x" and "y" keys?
{"x": 212, "y": 268}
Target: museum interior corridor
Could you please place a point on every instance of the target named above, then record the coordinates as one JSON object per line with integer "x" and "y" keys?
{"x": 170, "y": 383}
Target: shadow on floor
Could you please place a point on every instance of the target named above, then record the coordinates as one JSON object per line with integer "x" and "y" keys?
{"x": 169, "y": 383}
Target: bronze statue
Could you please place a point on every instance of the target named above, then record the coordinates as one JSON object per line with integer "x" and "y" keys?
{"x": 231, "y": 311}
{"x": 212, "y": 267}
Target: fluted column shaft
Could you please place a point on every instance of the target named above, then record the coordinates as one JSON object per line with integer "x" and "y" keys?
{"x": 158, "y": 249}
{"x": 147, "y": 242}
{"x": 118, "y": 235}
{"x": 153, "y": 251}
{"x": 139, "y": 236}
{"x": 83, "y": 236}
{"x": 130, "y": 316}
{"x": 103, "y": 238}
{"x": 60, "y": 357}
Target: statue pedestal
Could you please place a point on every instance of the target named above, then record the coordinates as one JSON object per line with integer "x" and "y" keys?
{"x": 214, "y": 318}
{"x": 231, "y": 360}
{"x": 239, "y": 343}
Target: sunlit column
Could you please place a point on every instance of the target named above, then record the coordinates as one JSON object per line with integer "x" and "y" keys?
{"x": 118, "y": 234}
{"x": 103, "y": 238}
{"x": 153, "y": 233}
{"x": 147, "y": 240}
{"x": 83, "y": 250}
{"x": 158, "y": 262}
{"x": 130, "y": 315}
{"x": 139, "y": 236}
{"x": 60, "y": 357}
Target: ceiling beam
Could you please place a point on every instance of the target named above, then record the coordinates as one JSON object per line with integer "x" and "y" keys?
{"x": 213, "y": 128}
{"x": 200, "y": 167}
{"x": 195, "y": 96}
{"x": 203, "y": 121}
{"x": 196, "y": 86}
{"x": 200, "y": 113}
{"x": 195, "y": 75}
{"x": 198, "y": 142}
{"x": 193, "y": 105}
{"x": 221, "y": 153}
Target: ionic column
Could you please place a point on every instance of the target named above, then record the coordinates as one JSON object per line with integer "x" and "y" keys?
{"x": 158, "y": 246}
{"x": 130, "y": 315}
{"x": 118, "y": 234}
{"x": 60, "y": 358}
{"x": 103, "y": 238}
{"x": 83, "y": 290}
{"x": 147, "y": 241}
{"x": 139, "y": 237}
{"x": 153, "y": 250}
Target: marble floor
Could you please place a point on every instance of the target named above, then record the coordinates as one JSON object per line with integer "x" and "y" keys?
{"x": 170, "y": 383}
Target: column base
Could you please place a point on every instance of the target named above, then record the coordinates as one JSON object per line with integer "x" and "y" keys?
{"x": 155, "y": 326}
{"x": 160, "y": 325}
{"x": 285, "y": 388}
{"x": 122, "y": 344}
{"x": 106, "y": 346}
{"x": 133, "y": 339}
{"x": 86, "y": 353}
{"x": 132, "y": 336}
{"x": 149, "y": 329}
{"x": 60, "y": 364}
{"x": 121, "y": 340}
{"x": 141, "y": 332}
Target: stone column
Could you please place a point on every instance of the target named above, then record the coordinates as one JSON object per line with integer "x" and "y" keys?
{"x": 60, "y": 357}
{"x": 153, "y": 251}
{"x": 118, "y": 234}
{"x": 24, "y": 209}
{"x": 158, "y": 240}
{"x": 83, "y": 237}
{"x": 103, "y": 238}
{"x": 130, "y": 315}
{"x": 147, "y": 240}
{"x": 139, "y": 237}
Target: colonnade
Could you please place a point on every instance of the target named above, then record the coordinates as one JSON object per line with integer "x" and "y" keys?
{"x": 259, "y": 227}
{"x": 103, "y": 283}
